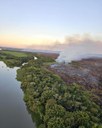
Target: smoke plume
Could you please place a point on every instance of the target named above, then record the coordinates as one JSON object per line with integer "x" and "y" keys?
{"x": 77, "y": 48}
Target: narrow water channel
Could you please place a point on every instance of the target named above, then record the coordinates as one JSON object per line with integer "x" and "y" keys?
{"x": 13, "y": 112}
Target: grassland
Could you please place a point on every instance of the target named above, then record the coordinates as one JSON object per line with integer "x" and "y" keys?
{"x": 14, "y": 53}
{"x": 15, "y": 58}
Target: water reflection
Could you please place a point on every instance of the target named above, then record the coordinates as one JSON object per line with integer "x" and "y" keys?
{"x": 13, "y": 112}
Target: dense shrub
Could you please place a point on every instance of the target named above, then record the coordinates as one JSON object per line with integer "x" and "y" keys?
{"x": 58, "y": 105}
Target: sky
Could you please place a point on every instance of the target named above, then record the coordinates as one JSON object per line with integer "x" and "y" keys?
{"x": 43, "y": 23}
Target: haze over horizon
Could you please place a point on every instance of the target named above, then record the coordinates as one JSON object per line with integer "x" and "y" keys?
{"x": 45, "y": 24}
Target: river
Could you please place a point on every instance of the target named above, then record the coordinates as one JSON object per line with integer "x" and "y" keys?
{"x": 13, "y": 111}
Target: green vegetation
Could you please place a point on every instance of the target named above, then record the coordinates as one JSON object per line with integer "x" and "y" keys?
{"x": 12, "y": 58}
{"x": 56, "y": 104}
{"x": 52, "y": 103}
{"x": 16, "y": 54}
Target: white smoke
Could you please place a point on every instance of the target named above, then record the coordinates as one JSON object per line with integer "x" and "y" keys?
{"x": 80, "y": 49}
{"x": 74, "y": 47}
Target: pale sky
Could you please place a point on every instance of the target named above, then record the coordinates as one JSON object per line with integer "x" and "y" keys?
{"x": 24, "y": 23}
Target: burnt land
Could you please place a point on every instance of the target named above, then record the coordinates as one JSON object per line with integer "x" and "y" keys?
{"x": 87, "y": 72}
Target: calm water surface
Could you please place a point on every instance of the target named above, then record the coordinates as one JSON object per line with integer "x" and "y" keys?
{"x": 13, "y": 112}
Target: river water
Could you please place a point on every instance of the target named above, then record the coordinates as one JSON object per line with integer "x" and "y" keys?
{"x": 13, "y": 112}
